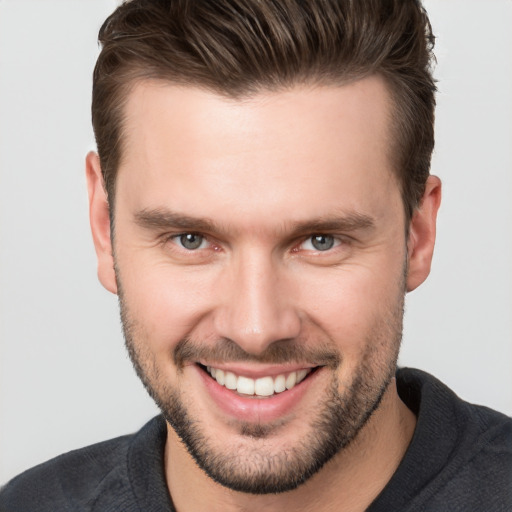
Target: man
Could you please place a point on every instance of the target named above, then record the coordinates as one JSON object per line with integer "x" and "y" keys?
{"x": 261, "y": 202}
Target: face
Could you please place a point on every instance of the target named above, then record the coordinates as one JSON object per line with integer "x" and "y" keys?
{"x": 261, "y": 264}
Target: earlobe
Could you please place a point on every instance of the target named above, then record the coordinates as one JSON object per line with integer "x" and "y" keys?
{"x": 422, "y": 234}
{"x": 100, "y": 222}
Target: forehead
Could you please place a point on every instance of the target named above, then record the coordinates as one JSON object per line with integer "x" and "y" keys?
{"x": 323, "y": 146}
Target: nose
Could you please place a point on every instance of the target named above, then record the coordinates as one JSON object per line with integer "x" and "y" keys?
{"x": 256, "y": 304}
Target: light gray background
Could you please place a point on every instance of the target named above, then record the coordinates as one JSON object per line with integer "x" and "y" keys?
{"x": 65, "y": 380}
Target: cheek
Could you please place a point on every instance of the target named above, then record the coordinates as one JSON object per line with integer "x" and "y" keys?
{"x": 165, "y": 303}
{"x": 349, "y": 303}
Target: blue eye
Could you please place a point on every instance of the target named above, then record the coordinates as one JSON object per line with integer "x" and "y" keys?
{"x": 320, "y": 243}
{"x": 191, "y": 241}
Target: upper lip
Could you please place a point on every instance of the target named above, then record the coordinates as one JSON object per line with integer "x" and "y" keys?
{"x": 255, "y": 372}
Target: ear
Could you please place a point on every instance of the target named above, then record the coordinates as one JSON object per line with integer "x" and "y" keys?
{"x": 100, "y": 222}
{"x": 422, "y": 234}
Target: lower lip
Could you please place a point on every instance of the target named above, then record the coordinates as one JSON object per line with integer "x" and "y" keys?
{"x": 254, "y": 409}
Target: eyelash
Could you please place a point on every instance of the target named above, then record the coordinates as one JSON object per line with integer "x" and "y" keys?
{"x": 336, "y": 241}
{"x": 177, "y": 239}
{"x": 180, "y": 236}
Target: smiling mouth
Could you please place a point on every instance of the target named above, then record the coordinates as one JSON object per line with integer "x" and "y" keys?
{"x": 262, "y": 387}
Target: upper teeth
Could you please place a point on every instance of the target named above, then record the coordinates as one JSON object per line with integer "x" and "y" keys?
{"x": 264, "y": 386}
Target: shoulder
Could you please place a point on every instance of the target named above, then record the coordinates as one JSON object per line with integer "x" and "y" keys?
{"x": 68, "y": 482}
{"x": 125, "y": 473}
{"x": 481, "y": 464}
{"x": 478, "y": 475}
{"x": 464, "y": 450}
{"x": 425, "y": 394}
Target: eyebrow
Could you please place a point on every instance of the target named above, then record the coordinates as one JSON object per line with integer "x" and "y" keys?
{"x": 160, "y": 219}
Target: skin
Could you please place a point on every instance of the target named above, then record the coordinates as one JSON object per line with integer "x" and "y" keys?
{"x": 271, "y": 163}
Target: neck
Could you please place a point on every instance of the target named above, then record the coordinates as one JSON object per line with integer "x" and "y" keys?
{"x": 350, "y": 481}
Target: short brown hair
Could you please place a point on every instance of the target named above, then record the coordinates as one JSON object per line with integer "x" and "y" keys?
{"x": 240, "y": 47}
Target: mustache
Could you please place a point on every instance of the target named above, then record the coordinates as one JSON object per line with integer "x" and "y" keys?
{"x": 280, "y": 352}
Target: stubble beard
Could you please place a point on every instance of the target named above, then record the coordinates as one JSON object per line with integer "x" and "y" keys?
{"x": 247, "y": 465}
